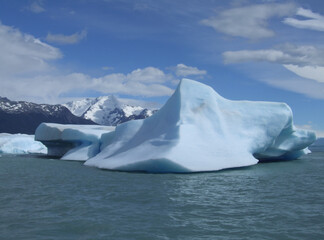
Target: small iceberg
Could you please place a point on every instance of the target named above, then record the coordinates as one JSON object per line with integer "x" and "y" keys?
{"x": 20, "y": 144}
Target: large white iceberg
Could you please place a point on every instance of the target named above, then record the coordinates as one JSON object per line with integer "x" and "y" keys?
{"x": 196, "y": 130}
{"x": 20, "y": 144}
{"x": 71, "y": 142}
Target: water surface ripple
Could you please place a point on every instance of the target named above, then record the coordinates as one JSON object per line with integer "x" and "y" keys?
{"x": 53, "y": 199}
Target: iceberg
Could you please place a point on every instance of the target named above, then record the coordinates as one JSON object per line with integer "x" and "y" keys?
{"x": 20, "y": 144}
{"x": 70, "y": 141}
{"x": 197, "y": 130}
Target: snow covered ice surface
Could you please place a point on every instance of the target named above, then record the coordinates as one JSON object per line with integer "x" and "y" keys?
{"x": 20, "y": 144}
{"x": 71, "y": 142}
{"x": 198, "y": 130}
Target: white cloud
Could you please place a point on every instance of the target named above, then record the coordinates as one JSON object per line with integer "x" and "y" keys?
{"x": 269, "y": 55}
{"x": 147, "y": 82}
{"x": 66, "y": 39}
{"x": 286, "y": 54}
{"x": 250, "y": 21}
{"x": 314, "y": 21}
{"x": 148, "y": 75}
{"x": 307, "y": 62}
{"x": 22, "y": 53}
{"x": 27, "y": 73}
{"x": 36, "y": 7}
{"x": 311, "y": 72}
{"x": 306, "y": 87}
{"x": 184, "y": 70}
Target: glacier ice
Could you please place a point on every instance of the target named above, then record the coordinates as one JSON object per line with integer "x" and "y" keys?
{"x": 71, "y": 142}
{"x": 20, "y": 144}
{"x": 196, "y": 130}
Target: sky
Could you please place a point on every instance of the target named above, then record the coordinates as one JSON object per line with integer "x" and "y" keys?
{"x": 266, "y": 50}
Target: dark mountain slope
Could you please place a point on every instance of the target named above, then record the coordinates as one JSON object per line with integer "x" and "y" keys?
{"x": 24, "y": 117}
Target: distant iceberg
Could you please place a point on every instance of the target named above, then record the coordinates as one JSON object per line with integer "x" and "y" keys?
{"x": 198, "y": 130}
{"x": 20, "y": 144}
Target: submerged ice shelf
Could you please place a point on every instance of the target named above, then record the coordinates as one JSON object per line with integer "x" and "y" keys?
{"x": 196, "y": 130}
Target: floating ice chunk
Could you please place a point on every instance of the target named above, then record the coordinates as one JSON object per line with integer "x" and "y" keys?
{"x": 20, "y": 144}
{"x": 198, "y": 130}
{"x": 71, "y": 142}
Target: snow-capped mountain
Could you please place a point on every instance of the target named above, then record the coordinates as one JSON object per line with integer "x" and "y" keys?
{"x": 24, "y": 117}
{"x": 107, "y": 110}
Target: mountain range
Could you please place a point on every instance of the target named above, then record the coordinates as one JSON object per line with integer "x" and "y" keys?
{"x": 24, "y": 117}
{"x": 107, "y": 110}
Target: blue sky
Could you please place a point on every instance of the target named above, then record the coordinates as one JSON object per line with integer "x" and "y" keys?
{"x": 56, "y": 51}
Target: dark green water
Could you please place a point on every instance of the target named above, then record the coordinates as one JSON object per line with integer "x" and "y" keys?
{"x": 53, "y": 199}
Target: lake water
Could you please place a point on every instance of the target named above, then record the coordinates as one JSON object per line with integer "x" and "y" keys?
{"x": 51, "y": 199}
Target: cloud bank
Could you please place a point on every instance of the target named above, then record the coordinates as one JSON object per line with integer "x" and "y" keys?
{"x": 305, "y": 62}
{"x": 28, "y": 72}
{"x": 49, "y": 87}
